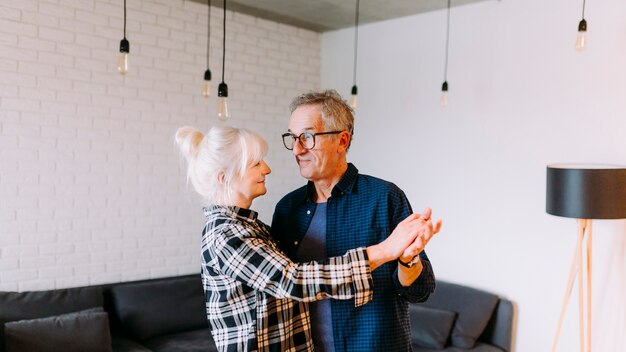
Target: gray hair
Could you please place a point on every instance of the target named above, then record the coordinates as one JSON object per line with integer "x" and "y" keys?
{"x": 337, "y": 115}
{"x": 223, "y": 150}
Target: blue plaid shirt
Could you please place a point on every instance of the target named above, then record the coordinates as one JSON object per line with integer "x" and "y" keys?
{"x": 362, "y": 211}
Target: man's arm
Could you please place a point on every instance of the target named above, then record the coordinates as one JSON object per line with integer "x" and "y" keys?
{"x": 414, "y": 284}
{"x": 411, "y": 266}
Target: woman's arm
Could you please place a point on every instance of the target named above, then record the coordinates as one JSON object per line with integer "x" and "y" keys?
{"x": 244, "y": 255}
{"x": 258, "y": 263}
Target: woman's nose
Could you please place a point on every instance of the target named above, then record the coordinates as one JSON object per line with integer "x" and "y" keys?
{"x": 267, "y": 168}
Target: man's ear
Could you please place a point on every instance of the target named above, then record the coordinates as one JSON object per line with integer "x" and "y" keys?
{"x": 344, "y": 140}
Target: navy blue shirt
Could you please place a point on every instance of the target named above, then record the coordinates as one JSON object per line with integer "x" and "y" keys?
{"x": 313, "y": 247}
{"x": 361, "y": 211}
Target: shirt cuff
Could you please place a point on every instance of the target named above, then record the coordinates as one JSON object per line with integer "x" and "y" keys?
{"x": 362, "y": 282}
{"x": 421, "y": 288}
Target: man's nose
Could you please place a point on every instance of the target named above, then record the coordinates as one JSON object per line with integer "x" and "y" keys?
{"x": 298, "y": 149}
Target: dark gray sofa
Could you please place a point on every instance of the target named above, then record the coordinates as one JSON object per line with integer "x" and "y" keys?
{"x": 459, "y": 318}
{"x": 168, "y": 315}
{"x": 150, "y": 315}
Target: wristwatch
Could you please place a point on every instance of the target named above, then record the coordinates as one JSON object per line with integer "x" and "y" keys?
{"x": 411, "y": 263}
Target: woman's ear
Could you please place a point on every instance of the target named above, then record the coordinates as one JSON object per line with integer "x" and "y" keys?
{"x": 221, "y": 178}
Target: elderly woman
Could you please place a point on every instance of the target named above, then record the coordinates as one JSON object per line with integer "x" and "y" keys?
{"x": 255, "y": 296}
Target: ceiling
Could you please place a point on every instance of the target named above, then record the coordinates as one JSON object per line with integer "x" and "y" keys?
{"x": 329, "y": 15}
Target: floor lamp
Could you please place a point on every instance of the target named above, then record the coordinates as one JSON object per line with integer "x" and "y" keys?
{"x": 584, "y": 192}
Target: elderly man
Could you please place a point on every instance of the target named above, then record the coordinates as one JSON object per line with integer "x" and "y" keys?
{"x": 338, "y": 210}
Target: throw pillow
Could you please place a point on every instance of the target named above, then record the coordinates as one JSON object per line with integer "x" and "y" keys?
{"x": 150, "y": 309}
{"x": 40, "y": 304}
{"x": 474, "y": 308}
{"x": 430, "y": 327}
{"x": 87, "y": 330}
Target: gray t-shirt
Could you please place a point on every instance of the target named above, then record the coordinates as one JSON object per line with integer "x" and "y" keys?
{"x": 313, "y": 247}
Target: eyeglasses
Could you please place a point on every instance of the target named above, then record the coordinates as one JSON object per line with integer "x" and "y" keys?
{"x": 306, "y": 139}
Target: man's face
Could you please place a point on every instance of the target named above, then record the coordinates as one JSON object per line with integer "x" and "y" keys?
{"x": 323, "y": 160}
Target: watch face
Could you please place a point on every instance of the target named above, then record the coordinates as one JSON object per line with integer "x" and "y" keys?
{"x": 414, "y": 261}
{"x": 411, "y": 263}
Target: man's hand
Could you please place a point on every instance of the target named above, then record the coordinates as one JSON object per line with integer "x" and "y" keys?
{"x": 420, "y": 242}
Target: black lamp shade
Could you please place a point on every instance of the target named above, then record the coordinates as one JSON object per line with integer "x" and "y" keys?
{"x": 586, "y": 191}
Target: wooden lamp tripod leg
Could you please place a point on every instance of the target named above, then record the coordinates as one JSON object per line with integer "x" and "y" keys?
{"x": 588, "y": 228}
{"x": 582, "y": 223}
{"x": 570, "y": 281}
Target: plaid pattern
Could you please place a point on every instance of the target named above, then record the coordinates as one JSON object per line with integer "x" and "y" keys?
{"x": 362, "y": 211}
{"x": 256, "y": 297}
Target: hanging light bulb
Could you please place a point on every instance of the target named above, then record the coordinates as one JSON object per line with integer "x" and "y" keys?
{"x": 581, "y": 39}
{"x": 353, "y": 98}
{"x": 222, "y": 104}
{"x": 206, "y": 86}
{"x": 222, "y": 88}
{"x": 443, "y": 101}
{"x": 122, "y": 61}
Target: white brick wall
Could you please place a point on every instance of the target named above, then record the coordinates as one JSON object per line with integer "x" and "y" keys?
{"x": 92, "y": 189}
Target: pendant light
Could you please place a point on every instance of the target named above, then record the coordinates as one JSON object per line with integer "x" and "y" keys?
{"x": 443, "y": 101}
{"x": 354, "y": 90}
{"x": 122, "y": 62}
{"x": 206, "y": 87}
{"x": 222, "y": 88}
{"x": 581, "y": 39}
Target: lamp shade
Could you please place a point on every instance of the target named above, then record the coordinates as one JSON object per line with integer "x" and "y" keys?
{"x": 586, "y": 191}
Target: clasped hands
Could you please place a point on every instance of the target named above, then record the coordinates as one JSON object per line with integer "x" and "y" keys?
{"x": 411, "y": 236}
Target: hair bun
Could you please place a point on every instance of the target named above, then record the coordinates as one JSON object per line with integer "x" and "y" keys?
{"x": 188, "y": 139}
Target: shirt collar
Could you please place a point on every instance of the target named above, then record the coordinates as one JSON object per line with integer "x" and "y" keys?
{"x": 232, "y": 211}
{"x": 345, "y": 184}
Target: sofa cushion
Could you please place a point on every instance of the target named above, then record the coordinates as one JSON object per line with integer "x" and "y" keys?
{"x": 158, "y": 307}
{"x": 474, "y": 308}
{"x": 479, "y": 347}
{"x": 430, "y": 327}
{"x": 40, "y": 304}
{"x": 189, "y": 341}
{"x": 87, "y": 330}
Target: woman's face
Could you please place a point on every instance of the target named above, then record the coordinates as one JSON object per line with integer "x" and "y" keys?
{"x": 251, "y": 185}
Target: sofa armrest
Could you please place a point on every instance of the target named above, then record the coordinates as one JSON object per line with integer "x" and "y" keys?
{"x": 499, "y": 330}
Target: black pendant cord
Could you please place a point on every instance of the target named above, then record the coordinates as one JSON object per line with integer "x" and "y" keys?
{"x": 208, "y": 34}
{"x": 124, "y": 19}
{"x": 224, "y": 45}
{"x": 584, "y": 9}
{"x": 445, "y": 70}
{"x": 356, "y": 39}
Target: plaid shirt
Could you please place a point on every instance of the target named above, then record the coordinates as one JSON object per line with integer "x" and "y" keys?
{"x": 362, "y": 211}
{"x": 256, "y": 297}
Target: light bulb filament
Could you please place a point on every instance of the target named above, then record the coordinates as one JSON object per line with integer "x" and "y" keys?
{"x": 122, "y": 63}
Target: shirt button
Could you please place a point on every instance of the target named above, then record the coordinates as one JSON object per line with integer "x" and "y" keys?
{"x": 295, "y": 243}
{"x": 308, "y": 212}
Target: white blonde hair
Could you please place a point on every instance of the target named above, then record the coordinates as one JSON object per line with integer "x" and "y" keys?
{"x": 226, "y": 151}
